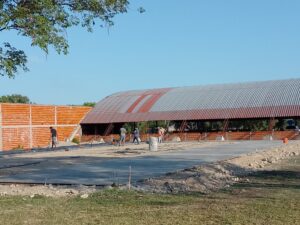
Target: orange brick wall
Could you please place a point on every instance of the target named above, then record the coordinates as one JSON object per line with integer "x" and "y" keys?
{"x": 66, "y": 115}
{"x": 15, "y": 114}
{"x": 209, "y": 136}
{"x": 27, "y": 126}
{"x": 42, "y": 115}
{"x": 40, "y": 136}
{"x": 15, "y": 138}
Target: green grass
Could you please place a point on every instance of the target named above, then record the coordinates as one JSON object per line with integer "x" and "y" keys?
{"x": 270, "y": 197}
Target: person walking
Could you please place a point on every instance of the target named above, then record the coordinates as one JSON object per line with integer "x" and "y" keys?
{"x": 136, "y": 136}
{"x": 53, "y": 137}
{"x": 122, "y": 136}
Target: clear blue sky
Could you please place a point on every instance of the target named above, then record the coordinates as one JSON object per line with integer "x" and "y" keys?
{"x": 174, "y": 43}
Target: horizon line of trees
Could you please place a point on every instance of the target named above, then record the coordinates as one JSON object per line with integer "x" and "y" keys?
{"x": 22, "y": 99}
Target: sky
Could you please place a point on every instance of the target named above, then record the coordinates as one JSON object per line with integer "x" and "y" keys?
{"x": 174, "y": 43}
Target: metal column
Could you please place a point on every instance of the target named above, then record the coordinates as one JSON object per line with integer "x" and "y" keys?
{"x": 271, "y": 123}
{"x": 108, "y": 129}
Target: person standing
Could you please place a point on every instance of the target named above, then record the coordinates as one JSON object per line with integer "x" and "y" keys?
{"x": 122, "y": 136}
{"x": 136, "y": 136}
{"x": 161, "y": 132}
{"x": 53, "y": 137}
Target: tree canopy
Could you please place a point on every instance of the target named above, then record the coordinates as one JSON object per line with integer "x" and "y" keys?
{"x": 90, "y": 104}
{"x": 15, "y": 98}
{"x": 45, "y": 22}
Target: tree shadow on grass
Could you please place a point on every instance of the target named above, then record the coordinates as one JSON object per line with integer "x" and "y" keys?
{"x": 272, "y": 179}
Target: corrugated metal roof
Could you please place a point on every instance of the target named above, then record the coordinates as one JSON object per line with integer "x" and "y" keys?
{"x": 278, "y": 98}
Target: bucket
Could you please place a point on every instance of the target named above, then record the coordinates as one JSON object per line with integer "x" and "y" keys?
{"x": 153, "y": 144}
{"x": 285, "y": 140}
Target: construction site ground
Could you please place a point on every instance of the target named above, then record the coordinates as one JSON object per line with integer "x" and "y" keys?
{"x": 104, "y": 165}
{"x": 269, "y": 193}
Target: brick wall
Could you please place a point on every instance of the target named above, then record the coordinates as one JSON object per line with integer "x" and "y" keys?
{"x": 209, "y": 136}
{"x": 27, "y": 126}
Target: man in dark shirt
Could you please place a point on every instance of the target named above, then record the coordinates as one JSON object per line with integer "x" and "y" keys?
{"x": 53, "y": 137}
{"x": 136, "y": 136}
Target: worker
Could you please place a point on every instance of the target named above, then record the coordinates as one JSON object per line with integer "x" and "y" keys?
{"x": 122, "y": 136}
{"x": 53, "y": 137}
{"x": 136, "y": 136}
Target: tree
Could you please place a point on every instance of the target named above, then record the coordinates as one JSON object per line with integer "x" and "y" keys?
{"x": 45, "y": 22}
{"x": 15, "y": 98}
{"x": 90, "y": 104}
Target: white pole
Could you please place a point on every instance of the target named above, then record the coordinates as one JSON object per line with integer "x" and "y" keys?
{"x": 129, "y": 178}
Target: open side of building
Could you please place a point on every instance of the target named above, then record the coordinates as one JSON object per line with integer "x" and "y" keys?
{"x": 228, "y": 103}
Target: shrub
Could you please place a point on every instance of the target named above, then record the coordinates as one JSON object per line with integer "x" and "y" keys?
{"x": 76, "y": 140}
{"x": 19, "y": 147}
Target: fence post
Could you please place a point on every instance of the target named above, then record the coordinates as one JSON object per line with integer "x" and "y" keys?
{"x": 129, "y": 178}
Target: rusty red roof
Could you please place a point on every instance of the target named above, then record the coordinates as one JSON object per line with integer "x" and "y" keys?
{"x": 265, "y": 99}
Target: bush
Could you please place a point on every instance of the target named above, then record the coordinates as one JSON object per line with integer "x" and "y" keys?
{"x": 76, "y": 140}
{"x": 19, "y": 147}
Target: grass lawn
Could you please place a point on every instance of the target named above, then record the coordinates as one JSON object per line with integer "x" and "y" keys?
{"x": 270, "y": 197}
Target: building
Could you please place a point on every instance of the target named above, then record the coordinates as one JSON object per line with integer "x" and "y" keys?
{"x": 26, "y": 126}
{"x": 225, "y": 107}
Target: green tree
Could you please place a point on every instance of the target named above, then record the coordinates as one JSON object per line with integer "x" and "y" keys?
{"x": 90, "y": 104}
{"x": 15, "y": 98}
{"x": 45, "y": 22}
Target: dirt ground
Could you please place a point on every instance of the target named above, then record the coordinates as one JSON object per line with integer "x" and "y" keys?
{"x": 222, "y": 174}
{"x": 204, "y": 179}
{"x": 128, "y": 150}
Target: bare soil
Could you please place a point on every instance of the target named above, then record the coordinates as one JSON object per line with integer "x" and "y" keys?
{"x": 214, "y": 176}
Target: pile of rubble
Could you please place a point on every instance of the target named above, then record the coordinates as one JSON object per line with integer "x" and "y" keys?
{"x": 45, "y": 190}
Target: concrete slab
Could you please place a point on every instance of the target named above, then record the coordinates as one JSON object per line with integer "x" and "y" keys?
{"x": 105, "y": 171}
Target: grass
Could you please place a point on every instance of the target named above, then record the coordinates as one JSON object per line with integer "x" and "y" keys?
{"x": 270, "y": 197}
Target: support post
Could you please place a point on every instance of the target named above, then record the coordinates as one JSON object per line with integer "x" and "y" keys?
{"x": 183, "y": 126}
{"x": 129, "y": 178}
{"x": 95, "y": 131}
{"x": 225, "y": 124}
{"x": 108, "y": 129}
{"x": 271, "y": 123}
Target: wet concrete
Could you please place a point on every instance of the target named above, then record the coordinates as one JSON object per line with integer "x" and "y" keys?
{"x": 105, "y": 171}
